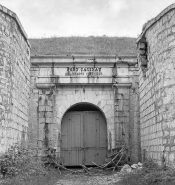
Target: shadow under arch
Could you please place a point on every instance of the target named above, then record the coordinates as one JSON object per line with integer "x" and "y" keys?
{"x": 84, "y": 106}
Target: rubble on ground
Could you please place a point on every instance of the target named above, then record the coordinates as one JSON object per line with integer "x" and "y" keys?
{"x": 134, "y": 167}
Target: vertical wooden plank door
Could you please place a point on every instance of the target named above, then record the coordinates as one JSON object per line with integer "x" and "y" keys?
{"x": 84, "y": 138}
{"x": 72, "y": 138}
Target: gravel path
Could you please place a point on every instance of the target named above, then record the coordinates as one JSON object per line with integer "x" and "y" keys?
{"x": 83, "y": 179}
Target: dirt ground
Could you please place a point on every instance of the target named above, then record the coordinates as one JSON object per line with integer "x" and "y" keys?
{"x": 101, "y": 178}
{"x": 66, "y": 178}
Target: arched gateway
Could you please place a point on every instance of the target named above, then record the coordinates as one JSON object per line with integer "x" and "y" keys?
{"x": 83, "y": 135}
{"x": 83, "y": 106}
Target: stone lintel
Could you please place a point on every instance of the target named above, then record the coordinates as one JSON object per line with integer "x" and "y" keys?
{"x": 50, "y": 85}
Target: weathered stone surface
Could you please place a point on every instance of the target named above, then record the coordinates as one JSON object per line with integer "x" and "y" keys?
{"x": 115, "y": 102}
{"x": 157, "y": 88}
{"x": 14, "y": 81}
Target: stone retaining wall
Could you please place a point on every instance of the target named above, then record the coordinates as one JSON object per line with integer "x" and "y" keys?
{"x": 156, "y": 49}
{"x": 14, "y": 80}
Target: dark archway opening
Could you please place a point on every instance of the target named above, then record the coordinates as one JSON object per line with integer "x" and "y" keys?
{"x": 83, "y": 107}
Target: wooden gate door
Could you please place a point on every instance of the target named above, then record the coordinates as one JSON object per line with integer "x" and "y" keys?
{"x": 83, "y": 138}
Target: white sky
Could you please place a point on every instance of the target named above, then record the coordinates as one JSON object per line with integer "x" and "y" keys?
{"x": 47, "y": 18}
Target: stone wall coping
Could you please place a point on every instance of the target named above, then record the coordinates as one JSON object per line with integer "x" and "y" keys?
{"x": 83, "y": 59}
{"x": 83, "y": 56}
{"x": 154, "y": 20}
{"x": 82, "y": 63}
{"x": 15, "y": 17}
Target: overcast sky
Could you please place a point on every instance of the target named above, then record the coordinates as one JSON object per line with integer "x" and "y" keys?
{"x": 47, "y": 18}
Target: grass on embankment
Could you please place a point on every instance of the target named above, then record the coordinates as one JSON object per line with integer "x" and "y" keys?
{"x": 151, "y": 174}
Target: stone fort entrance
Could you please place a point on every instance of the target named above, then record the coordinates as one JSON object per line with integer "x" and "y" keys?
{"x": 80, "y": 106}
{"x": 83, "y": 135}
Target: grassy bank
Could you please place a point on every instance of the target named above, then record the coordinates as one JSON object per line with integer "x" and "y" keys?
{"x": 150, "y": 174}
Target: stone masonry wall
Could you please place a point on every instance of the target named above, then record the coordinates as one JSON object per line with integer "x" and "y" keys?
{"x": 33, "y": 113}
{"x": 14, "y": 80}
{"x": 119, "y": 103}
{"x": 48, "y": 106}
{"x": 127, "y": 127}
{"x": 102, "y": 97}
{"x": 157, "y": 87}
{"x": 134, "y": 115}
